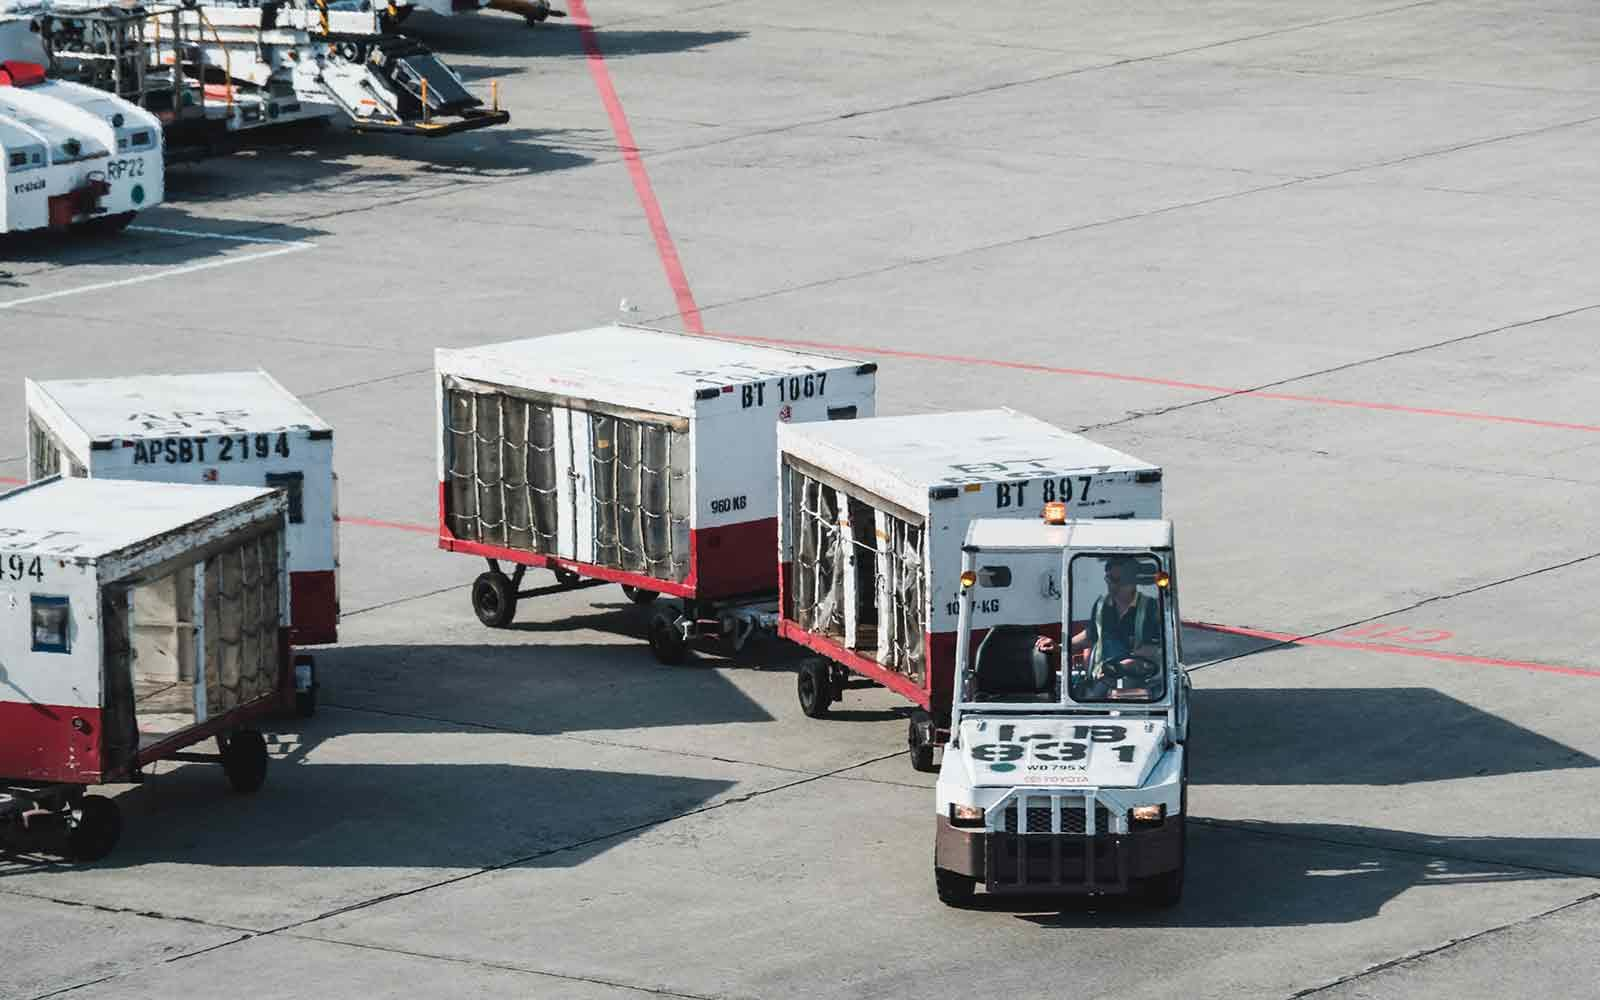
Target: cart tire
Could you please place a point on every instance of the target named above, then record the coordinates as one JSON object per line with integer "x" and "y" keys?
{"x": 494, "y": 599}
{"x": 639, "y": 596}
{"x": 1166, "y": 890}
{"x": 106, "y": 225}
{"x": 953, "y": 889}
{"x": 566, "y": 577}
{"x": 94, "y": 830}
{"x": 666, "y": 641}
{"x": 921, "y": 750}
{"x": 814, "y": 685}
{"x": 244, "y": 761}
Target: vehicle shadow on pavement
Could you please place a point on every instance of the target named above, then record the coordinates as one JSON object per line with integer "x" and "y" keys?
{"x": 494, "y": 34}
{"x": 141, "y": 245}
{"x": 1359, "y": 736}
{"x": 1306, "y": 873}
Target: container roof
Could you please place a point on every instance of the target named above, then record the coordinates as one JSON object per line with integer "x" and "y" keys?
{"x": 629, "y": 365}
{"x": 932, "y": 449}
{"x": 92, "y": 518}
{"x": 1104, "y": 535}
{"x": 156, "y": 406}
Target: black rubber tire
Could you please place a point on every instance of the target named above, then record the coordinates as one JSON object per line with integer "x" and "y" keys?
{"x": 106, "y": 225}
{"x": 93, "y": 829}
{"x": 638, "y": 595}
{"x": 921, "y": 750}
{"x": 953, "y": 889}
{"x": 566, "y": 577}
{"x": 1166, "y": 890}
{"x": 666, "y": 641}
{"x": 244, "y": 761}
{"x": 814, "y": 686}
{"x": 494, "y": 600}
{"x": 305, "y": 702}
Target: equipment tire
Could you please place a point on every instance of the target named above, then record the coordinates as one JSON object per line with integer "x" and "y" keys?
{"x": 953, "y": 889}
{"x": 244, "y": 761}
{"x": 106, "y": 225}
{"x": 666, "y": 641}
{"x": 921, "y": 753}
{"x": 813, "y": 684}
{"x": 638, "y": 595}
{"x": 494, "y": 599}
{"x": 93, "y": 828}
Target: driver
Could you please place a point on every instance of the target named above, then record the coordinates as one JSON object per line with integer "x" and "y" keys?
{"x": 1124, "y": 630}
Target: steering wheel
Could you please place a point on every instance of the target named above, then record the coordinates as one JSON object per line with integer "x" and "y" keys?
{"x": 1131, "y": 672}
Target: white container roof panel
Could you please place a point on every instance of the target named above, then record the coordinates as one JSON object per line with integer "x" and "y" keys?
{"x": 90, "y": 519}
{"x": 1106, "y": 535}
{"x": 158, "y": 406}
{"x": 631, "y": 366}
{"x": 901, "y": 458}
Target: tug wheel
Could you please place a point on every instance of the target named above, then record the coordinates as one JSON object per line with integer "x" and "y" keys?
{"x": 666, "y": 639}
{"x": 953, "y": 889}
{"x": 638, "y": 596}
{"x": 814, "y": 686}
{"x": 921, "y": 748}
{"x": 244, "y": 761}
{"x": 494, "y": 600}
{"x": 94, "y": 826}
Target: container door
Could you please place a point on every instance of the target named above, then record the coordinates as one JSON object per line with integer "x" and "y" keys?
{"x": 121, "y": 736}
{"x": 566, "y": 541}
{"x": 582, "y": 479}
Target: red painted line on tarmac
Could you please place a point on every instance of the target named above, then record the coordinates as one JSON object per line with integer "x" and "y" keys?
{"x": 1378, "y": 647}
{"x": 8, "y": 480}
{"x": 1168, "y": 383}
{"x": 665, "y": 248}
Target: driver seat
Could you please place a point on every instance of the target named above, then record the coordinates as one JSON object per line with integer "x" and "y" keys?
{"x": 1008, "y": 664}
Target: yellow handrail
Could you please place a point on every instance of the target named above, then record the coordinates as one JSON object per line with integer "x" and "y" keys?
{"x": 227, "y": 62}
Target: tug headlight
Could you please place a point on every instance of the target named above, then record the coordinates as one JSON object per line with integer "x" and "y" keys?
{"x": 966, "y": 815}
{"x": 1151, "y": 815}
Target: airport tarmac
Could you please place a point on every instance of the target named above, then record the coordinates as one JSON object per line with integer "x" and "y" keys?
{"x": 1331, "y": 265}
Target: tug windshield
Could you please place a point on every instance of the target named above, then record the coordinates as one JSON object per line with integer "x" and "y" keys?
{"x": 1118, "y": 639}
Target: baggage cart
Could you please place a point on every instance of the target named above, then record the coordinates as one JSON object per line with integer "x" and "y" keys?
{"x": 230, "y": 428}
{"x": 136, "y": 620}
{"x": 870, "y": 537}
{"x": 634, "y": 456}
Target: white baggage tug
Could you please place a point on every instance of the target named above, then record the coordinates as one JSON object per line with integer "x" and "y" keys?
{"x": 70, "y": 155}
{"x": 136, "y": 619}
{"x": 871, "y": 532}
{"x": 233, "y": 428}
{"x": 631, "y": 455}
{"x": 1077, "y": 781}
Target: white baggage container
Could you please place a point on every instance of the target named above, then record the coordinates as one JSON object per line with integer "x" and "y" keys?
{"x": 873, "y": 520}
{"x": 232, "y": 428}
{"x": 626, "y": 454}
{"x": 136, "y": 619}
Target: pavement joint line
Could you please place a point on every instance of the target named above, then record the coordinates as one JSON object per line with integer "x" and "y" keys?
{"x": 113, "y": 910}
{"x": 1282, "y": 644}
{"x": 1240, "y": 827}
{"x": 399, "y": 600}
{"x": 1452, "y": 943}
{"x": 501, "y": 966}
{"x": 1261, "y": 390}
{"x": 253, "y": 337}
{"x": 366, "y": 382}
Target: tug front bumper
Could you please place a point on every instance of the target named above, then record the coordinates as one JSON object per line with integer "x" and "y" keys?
{"x": 1067, "y": 863}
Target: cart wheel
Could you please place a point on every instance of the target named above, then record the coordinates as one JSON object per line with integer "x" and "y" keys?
{"x": 814, "y": 685}
{"x": 305, "y": 702}
{"x": 638, "y": 596}
{"x": 566, "y": 577}
{"x": 244, "y": 760}
{"x": 953, "y": 889}
{"x": 93, "y": 827}
{"x": 921, "y": 749}
{"x": 494, "y": 599}
{"x": 666, "y": 639}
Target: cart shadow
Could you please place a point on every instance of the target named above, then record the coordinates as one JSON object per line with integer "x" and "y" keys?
{"x": 334, "y": 814}
{"x": 1306, "y": 874}
{"x": 541, "y": 689}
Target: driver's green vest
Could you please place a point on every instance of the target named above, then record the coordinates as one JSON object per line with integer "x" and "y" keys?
{"x": 1141, "y": 604}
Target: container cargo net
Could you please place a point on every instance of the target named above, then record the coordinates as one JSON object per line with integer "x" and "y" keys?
{"x": 502, "y": 482}
{"x": 242, "y": 617}
{"x": 858, "y": 575}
